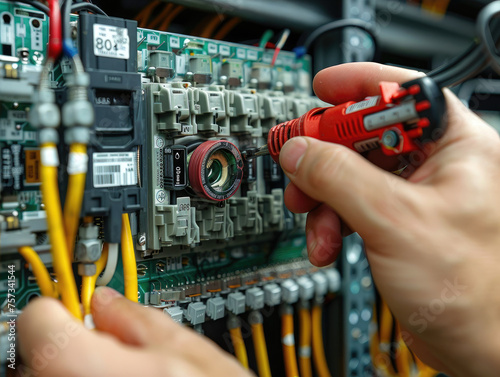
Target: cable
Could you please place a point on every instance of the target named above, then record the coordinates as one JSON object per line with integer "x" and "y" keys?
{"x": 166, "y": 22}
{"x": 55, "y": 30}
{"x": 280, "y": 44}
{"x": 35, "y": 4}
{"x": 143, "y": 17}
{"x": 402, "y": 356}
{"x": 128, "y": 260}
{"x": 305, "y": 341}
{"x": 317, "y": 342}
{"x": 210, "y": 26}
{"x": 88, "y": 282}
{"x": 60, "y": 260}
{"x": 158, "y": 19}
{"x": 338, "y": 25}
{"x": 226, "y": 28}
{"x": 485, "y": 35}
{"x": 259, "y": 343}
{"x": 88, "y": 7}
{"x": 266, "y": 37}
{"x": 77, "y": 167}
{"x": 288, "y": 341}
{"x": 47, "y": 286}
{"x": 240, "y": 351}
{"x": 110, "y": 268}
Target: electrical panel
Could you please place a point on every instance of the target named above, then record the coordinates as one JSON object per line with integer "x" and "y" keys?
{"x": 171, "y": 114}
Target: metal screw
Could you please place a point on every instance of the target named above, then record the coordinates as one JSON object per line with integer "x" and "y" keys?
{"x": 141, "y": 240}
{"x": 390, "y": 139}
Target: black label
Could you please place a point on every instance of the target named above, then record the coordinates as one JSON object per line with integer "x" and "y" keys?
{"x": 179, "y": 167}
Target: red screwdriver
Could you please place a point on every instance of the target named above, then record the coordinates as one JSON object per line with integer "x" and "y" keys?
{"x": 399, "y": 121}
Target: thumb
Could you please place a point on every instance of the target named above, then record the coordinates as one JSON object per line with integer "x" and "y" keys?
{"x": 366, "y": 197}
{"x": 128, "y": 321}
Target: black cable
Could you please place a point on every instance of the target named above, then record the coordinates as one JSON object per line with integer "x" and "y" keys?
{"x": 486, "y": 36}
{"x": 339, "y": 25}
{"x": 35, "y": 4}
{"x": 66, "y": 19}
{"x": 88, "y": 7}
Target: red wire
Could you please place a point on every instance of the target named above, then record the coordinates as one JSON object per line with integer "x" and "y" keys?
{"x": 55, "y": 30}
{"x": 275, "y": 56}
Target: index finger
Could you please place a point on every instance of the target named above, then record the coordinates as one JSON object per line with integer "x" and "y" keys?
{"x": 355, "y": 81}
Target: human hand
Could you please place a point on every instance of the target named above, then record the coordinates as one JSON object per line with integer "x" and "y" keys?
{"x": 433, "y": 240}
{"x": 130, "y": 341}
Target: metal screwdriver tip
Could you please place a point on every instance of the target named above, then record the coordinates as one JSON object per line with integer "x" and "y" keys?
{"x": 251, "y": 153}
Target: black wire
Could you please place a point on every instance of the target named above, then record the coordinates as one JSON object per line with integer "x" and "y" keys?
{"x": 88, "y": 7}
{"x": 66, "y": 19}
{"x": 486, "y": 36}
{"x": 35, "y": 4}
{"x": 339, "y": 25}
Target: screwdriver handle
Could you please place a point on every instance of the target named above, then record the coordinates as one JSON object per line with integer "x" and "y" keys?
{"x": 400, "y": 120}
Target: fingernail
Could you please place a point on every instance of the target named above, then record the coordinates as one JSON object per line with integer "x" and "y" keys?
{"x": 292, "y": 153}
{"x": 311, "y": 242}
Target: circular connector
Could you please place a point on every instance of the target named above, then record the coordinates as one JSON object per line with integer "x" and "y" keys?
{"x": 216, "y": 170}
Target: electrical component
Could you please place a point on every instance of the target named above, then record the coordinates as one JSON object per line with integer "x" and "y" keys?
{"x": 215, "y": 170}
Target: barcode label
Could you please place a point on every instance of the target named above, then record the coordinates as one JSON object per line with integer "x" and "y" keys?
{"x": 366, "y": 104}
{"x": 114, "y": 169}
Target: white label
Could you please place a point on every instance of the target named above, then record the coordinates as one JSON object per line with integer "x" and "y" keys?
{"x": 111, "y": 42}
{"x": 21, "y": 30}
{"x": 8, "y": 130}
{"x": 49, "y": 156}
{"x": 17, "y": 115}
{"x": 34, "y": 215}
{"x": 114, "y": 169}
{"x": 212, "y": 48}
{"x": 252, "y": 55}
{"x": 240, "y": 53}
{"x": 180, "y": 64}
{"x": 267, "y": 58}
{"x": 224, "y": 50}
{"x": 160, "y": 196}
{"x": 366, "y": 104}
{"x": 153, "y": 39}
{"x": 77, "y": 163}
{"x": 175, "y": 42}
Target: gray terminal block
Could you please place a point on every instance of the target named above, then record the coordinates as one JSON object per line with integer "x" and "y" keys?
{"x": 175, "y": 313}
{"x": 334, "y": 279}
{"x": 272, "y": 294}
{"x": 236, "y": 303}
{"x": 216, "y": 308}
{"x": 289, "y": 291}
{"x": 306, "y": 288}
{"x": 195, "y": 313}
{"x": 320, "y": 284}
{"x": 155, "y": 298}
{"x": 255, "y": 298}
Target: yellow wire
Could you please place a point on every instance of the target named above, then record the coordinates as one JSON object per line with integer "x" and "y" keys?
{"x": 128, "y": 258}
{"x": 88, "y": 282}
{"x": 226, "y": 28}
{"x": 73, "y": 203}
{"x": 60, "y": 260}
{"x": 47, "y": 286}
{"x": 317, "y": 342}
{"x": 288, "y": 345}
{"x": 239, "y": 346}
{"x": 403, "y": 356}
{"x": 166, "y": 22}
{"x": 259, "y": 343}
{"x": 305, "y": 342}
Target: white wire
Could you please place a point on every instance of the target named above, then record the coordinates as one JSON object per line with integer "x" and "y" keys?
{"x": 110, "y": 268}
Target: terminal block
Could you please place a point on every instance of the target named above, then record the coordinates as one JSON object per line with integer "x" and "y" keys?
{"x": 245, "y": 214}
{"x": 271, "y": 208}
{"x": 176, "y": 224}
{"x": 236, "y": 302}
{"x": 214, "y": 221}
{"x": 169, "y": 108}
{"x": 273, "y": 109}
{"x": 209, "y": 110}
{"x": 243, "y": 108}
{"x": 216, "y": 308}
